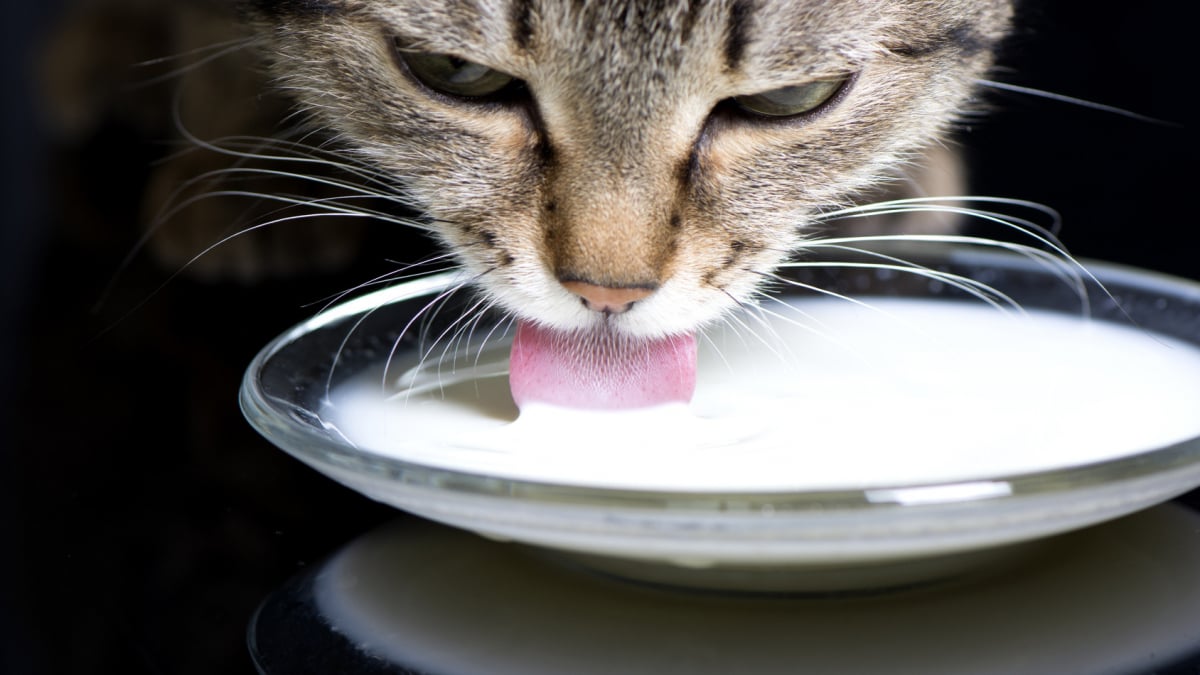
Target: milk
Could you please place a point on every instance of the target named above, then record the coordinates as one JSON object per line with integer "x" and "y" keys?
{"x": 823, "y": 395}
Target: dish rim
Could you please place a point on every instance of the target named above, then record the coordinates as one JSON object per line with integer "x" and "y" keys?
{"x": 271, "y": 417}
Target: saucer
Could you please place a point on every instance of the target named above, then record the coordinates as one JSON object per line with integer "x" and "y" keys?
{"x": 838, "y": 537}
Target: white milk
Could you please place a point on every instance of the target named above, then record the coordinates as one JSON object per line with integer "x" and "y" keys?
{"x": 831, "y": 395}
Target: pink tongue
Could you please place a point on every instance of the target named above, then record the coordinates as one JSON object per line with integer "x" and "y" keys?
{"x": 600, "y": 372}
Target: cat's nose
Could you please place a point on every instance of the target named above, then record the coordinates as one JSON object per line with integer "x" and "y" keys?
{"x": 607, "y": 299}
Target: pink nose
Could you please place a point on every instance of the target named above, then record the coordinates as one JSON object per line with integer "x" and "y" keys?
{"x": 607, "y": 299}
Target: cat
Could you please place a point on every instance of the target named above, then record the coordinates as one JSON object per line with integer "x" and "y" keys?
{"x": 635, "y": 167}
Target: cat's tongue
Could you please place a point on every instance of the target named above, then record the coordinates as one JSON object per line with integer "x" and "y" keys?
{"x": 600, "y": 371}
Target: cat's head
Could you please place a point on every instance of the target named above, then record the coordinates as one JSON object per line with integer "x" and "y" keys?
{"x": 636, "y": 164}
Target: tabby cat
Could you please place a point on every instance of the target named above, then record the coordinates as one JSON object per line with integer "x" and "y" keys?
{"x": 637, "y": 166}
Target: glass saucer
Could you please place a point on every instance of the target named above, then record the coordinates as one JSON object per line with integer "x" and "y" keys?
{"x": 842, "y": 538}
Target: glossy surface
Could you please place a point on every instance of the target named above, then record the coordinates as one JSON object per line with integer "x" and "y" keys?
{"x": 1118, "y": 598}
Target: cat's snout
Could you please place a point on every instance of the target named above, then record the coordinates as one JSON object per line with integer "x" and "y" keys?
{"x": 607, "y": 299}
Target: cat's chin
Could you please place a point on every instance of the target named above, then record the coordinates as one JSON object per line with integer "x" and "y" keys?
{"x": 665, "y": 314}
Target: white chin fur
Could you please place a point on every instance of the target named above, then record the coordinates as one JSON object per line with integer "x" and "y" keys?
{"x": 669, "y": 311}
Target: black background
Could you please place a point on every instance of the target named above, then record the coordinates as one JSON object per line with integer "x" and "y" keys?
{"x": 141, "y": 520}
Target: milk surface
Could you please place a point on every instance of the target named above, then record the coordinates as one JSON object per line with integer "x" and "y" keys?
{"x": 822, "y": 394}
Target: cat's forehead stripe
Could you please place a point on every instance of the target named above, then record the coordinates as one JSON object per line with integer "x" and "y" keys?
{"x": 521, "y": 16}
{"x": 961, "y": 37}
{"x": 737, "y": 33}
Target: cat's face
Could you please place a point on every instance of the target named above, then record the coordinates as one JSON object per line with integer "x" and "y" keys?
{"x": 678, "y": 149}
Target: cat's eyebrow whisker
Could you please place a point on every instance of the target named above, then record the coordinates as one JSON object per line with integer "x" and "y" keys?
{"x": 207, "y": 54}
{"x": 221, "y": 46}
{"x": 1063, "y": 98}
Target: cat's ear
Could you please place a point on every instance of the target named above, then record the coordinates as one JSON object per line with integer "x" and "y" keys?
{"x": 940, "y": 172}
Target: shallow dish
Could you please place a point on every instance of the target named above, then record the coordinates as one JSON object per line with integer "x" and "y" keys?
{"x": 836, "y": 537}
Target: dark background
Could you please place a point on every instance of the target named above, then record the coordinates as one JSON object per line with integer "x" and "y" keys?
{"x": 142, "y": 520}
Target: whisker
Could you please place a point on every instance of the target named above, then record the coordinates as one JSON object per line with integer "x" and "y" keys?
{"x": 795, "y": 310}
{"x": 977, "y": 289}
{"x": 735, "y": 320}
{"x": 182, "y": 268}
{"x": 341, "y": 348}
{"x": 390, "y": 277}
{"x": 207, "y": 53}
{"x": 823, "y": 291}
{"x": 507, "y": 321}
{"x": 1063, "y": 266}
{"x": 1057, "y": 258}
{"x": 939, "y": 205}
{"x": 245, "y": 148}
{"x": 455, "y": 330}
{"x": 829, "y": 337}
{"x": 329, "y": 206}
{"x": 353, "y": 191}
{"x": 432, "y": 308}
{"x": 1063, "y": 98}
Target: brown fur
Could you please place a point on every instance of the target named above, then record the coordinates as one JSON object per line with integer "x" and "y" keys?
{"x": 625, "y": 168}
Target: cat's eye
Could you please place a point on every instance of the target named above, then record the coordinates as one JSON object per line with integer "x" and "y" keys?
{"x": 794, "y": 100}
{"x": 452, "y": 75}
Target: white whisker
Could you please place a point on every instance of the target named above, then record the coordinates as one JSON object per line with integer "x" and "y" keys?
{"x": 977, "y": 289}
{"x": 425, "y": 316}
{"x": 207, "y": 54}
{"x": 825, "y": 291}
{"x": 391, "y": 277}
{"x": 1063, "y": 98}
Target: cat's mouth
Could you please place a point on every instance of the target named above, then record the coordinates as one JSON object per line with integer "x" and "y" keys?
{"x": 600, "y": 369}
